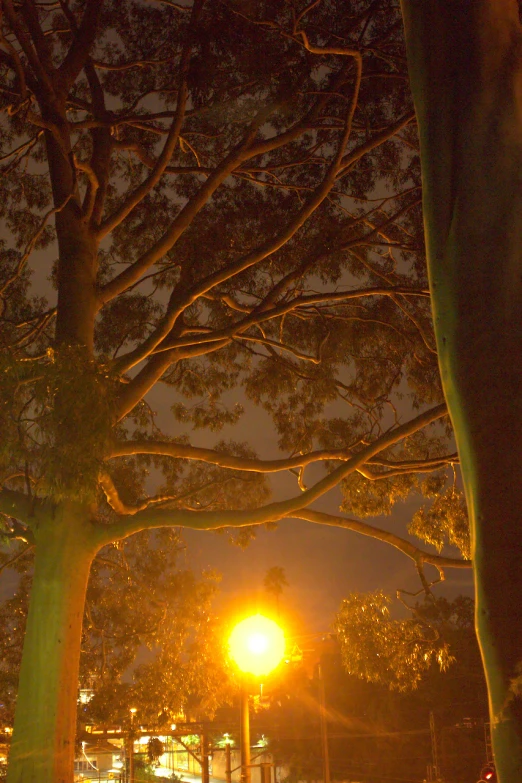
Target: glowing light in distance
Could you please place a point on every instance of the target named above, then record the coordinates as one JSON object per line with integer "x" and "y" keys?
{"x": 257, "y": 645}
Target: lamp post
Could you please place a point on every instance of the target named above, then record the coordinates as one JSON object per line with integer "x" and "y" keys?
{"x": 133, "y": 712}
{"x": 257, "y": 645}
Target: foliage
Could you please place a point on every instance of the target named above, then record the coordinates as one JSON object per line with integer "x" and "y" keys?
{"x": 446, "y": 520}
{"x": 141, "y": 606}
{"x": 371, "y": 727}
{"x": 213, "y": 234}
{"x": 396, "y": 652}
{"x": 191, "y": 254}
{"x": 275, "y": 580}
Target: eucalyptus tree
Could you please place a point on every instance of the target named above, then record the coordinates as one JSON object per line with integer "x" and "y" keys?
{"x": 466, "y": 65}
{"x": 224, "y": 198}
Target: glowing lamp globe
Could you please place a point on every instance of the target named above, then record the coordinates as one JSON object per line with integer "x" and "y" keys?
{"x": 257, "y": 645}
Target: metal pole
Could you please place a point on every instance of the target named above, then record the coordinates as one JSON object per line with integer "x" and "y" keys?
{"x": 131, "y": 758}
{"x": 245, "y": 736}
{"x": 205, "y": 774}
{"x": 266, "y": 772}
{"x": 324, "y": 727}
{"x": 434, "y": 748}
{"x": 228, "y": 768}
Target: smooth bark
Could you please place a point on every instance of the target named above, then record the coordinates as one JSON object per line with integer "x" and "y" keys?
{"x": 465, "y": 61}
{"x": 42, "y": 749}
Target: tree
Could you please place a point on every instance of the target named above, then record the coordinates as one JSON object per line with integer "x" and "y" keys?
{"x": 274, "y": 582}
{"x": 376, "y": 732}
{"x": 137, "y": 597}
{"x": 396, "y": 652}
{"x": 465, "y": 66}
{"x": 214, "y": 227}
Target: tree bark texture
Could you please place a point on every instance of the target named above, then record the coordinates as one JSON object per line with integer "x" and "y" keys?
{"x": 465, "y": 61}
{"x": 78, "y": 251}
{"x": 42, "y": 749}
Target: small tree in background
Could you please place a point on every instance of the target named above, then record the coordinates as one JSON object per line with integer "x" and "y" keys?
{"x": 139, "y": 603}
{"x": 274, "y": 583}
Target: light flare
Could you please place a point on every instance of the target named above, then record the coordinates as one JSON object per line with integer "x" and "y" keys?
{"x": 257, "y": 645}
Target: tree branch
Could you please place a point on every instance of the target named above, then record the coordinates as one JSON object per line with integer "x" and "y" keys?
{"x": 245, "y": 150}
{"x": 212, "y": 457}
{"x": 16, "y": 557}
{"x": 213, "y": 520}
{"x": 259, "y": 315}
{"x": 132, "y": 273}
{"x": 264, "y": 250}
{"x": 26, "y": 45}
{"x": 135, "y": 198}
{"x": 80, "y": 48}
{"x": 134, "y": 391}
{"x": 409, "y": 549}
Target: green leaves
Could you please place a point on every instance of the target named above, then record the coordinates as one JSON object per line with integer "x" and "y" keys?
{"x": 445, "y": 521}
{"x": 140, "y": 596}
{"x": 73, "y": 407}
{"x": 394, "y": 652}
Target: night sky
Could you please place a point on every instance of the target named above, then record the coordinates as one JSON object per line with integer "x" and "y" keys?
{"x": 322, "y": 564}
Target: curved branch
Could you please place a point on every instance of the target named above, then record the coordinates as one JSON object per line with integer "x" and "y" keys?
{"x": 135, "y": 197}
{"x": 245, "y": 150}
{"x": 182, "y": 451}
{"x": 33, "y": 241}
{"x": 184, "y": 218}
{"x": 251, "y": 258}
{"x": 115, "y": 502}
{"x": 26, "y": 549}
{"x": 419, "y": 556}
{"x": 259, "y": 315}
{"x": 213, "y": 520}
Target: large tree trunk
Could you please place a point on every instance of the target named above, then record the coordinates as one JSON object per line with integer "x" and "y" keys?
{"x": 42, "y": 749}
{"x": 465, "y": 62}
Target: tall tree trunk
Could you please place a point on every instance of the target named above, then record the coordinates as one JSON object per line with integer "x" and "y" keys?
{"x": 465, "y": 61}
{"x": 77, "y": 246}
{"x": 42, "y": 749}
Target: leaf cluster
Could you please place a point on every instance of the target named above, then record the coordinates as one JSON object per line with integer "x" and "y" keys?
{"x": 380, "y": 649}
{"x": 150, "y": 636}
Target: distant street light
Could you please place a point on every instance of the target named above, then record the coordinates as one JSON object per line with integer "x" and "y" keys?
{"x": 257, "y": 645}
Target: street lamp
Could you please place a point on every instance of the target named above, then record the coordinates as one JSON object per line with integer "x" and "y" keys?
{"x": 133, "y": 712}
{"x": 257, "y": 645}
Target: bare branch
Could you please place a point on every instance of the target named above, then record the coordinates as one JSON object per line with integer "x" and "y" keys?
{"x": 172, "y": 4}
{"x": 18, "y": 556}
{"x": 185, "y": 217}
{"x": 31, "y": 244}
{"x": 26, "y": 45}
{"x": 78, "y": 53}
{"x": 212, "y": 457}
{"x": 134, "y": 198}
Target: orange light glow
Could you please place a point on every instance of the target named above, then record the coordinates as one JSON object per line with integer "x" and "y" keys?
{"x": 257, "y": 645}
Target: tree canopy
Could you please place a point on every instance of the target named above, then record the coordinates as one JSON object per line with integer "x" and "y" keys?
{"x": 207, "y": 273}
{"x": 150, "y": 639}
{"x": 241, "y": 231}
